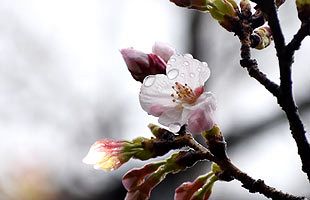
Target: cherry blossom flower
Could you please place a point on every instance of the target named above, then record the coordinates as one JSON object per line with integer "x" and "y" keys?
{"x": 106, "y": 154}
{"x": 180, "y": 97}
{"x": 141, "y": 64}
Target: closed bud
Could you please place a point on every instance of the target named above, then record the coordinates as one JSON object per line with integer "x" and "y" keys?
{"x": 245, "y": 7}
{"x": 303, "y": 8}
{"x": 107, "y": 154}
{"x": 187, "y": 189}
{"x": 261, "y": 38}
{"x": 205, "y": 192}
{"x": 163, "y": 50}
{"x": 192, "y": 4}
{"x": 136, "y": 176}
{"x": 141, "y": 64}
{"x": 225, "y": 12}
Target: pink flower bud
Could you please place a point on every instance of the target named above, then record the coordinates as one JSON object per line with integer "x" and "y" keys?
{"x": 163, "y": 50}
{"x": 106, "y": 154}
{"x": 141, "y": 65}
{"x": 136, "y": 176}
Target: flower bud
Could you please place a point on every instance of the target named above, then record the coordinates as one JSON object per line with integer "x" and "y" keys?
{"x": 110, "y": 154}
{"x": 187, "y": 189}
{"x": 205, "y": 192}
{"x": 106, "y": 154}
{"x": 303, "y": 8}
{"x": 163, "y": 50}
{"x": 261, "y": 38}
{"x": 225, "y": 12}
{"x": 192, "y": 4}
{"x": 141, "y": 65}
{"x": 136, "y": 176}
{"x": 141, "y": 182}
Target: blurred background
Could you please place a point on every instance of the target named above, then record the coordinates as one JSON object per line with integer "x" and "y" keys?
{"x": 64, "y": 85}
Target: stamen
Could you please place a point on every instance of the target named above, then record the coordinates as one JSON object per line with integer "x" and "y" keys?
{"x": 184, "y": 94}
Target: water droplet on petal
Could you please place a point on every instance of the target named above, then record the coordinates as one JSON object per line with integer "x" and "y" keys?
{"x": 172, "y": 74}
{"x": 205, "y": 64}
{"x": 188, "y": 55}
{"x": 186, "y": 63}
{"x": 149, "y": 81}
{"x": 172, "y": 60}
{"x": 175, "y": 127}
{"x": 199, "y": 69}
{"x": 192, "y": 75}
{"x": 182, "y": 75}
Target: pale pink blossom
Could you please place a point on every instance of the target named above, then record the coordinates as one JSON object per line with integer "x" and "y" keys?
{"x": 180, "y": 96}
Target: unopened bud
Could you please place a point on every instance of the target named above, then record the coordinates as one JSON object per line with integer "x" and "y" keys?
{"x": 303, "y": 8}
{"x": 163, "y": 50}
{"x": 261, "y": 38}
{"x": 225, "y": 12}
{"x": 245, "y": 7}
{"x": 192, "y": 4}
{"x": 141, "y": 64}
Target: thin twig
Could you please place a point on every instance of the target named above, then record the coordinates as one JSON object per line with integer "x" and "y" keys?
{"x": 295, "y": 43}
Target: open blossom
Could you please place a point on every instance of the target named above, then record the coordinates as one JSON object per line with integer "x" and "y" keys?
{"x": 180, "y": 97}
{"x": 106, "y": 154}
{"x": 141, "y": 64}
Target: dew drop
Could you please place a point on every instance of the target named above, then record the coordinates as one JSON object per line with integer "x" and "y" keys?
{"x": 175, "y": 127}
{"x": 149, "y": 81}
{"x": 182, "y": 75}
{"x": 186, "y": 63}
{"x": 192, "y": 75}
{"x": 172, "y": 74}
{"x": 205, "y": 64}
{"x": 172, "y": 60}
{"x": 199, "y": 69}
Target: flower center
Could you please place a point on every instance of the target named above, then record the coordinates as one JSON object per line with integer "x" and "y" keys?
{"x": 185, "y": 94}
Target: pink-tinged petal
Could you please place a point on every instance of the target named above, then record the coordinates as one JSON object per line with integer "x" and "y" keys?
{"x": 199, "y": 121}
{"x": 163, "y": 50}
{"x": 156, "y": 90}
{"x": 186, "y": 69}
{"x": 156, "y": 110}
{"x": 173, "y": 118}
{"x": 198, "y": 91}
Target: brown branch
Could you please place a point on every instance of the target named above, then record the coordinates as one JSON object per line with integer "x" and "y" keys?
{"x": 295, "y": 43}
{"x": 259, "y": 185}
{"x": 285, "y": 97}
{"x": 231, "y": 172}
{"x": 251, "y": 64}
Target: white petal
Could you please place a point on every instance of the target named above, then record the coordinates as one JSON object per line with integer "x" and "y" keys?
{"x": 205, "y": 101}
{"x": 186, "y": 69}
{"x": 156, "y": 90}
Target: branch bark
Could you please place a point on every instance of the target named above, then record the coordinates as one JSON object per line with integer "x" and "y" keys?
{"x": 285, "y": 97}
